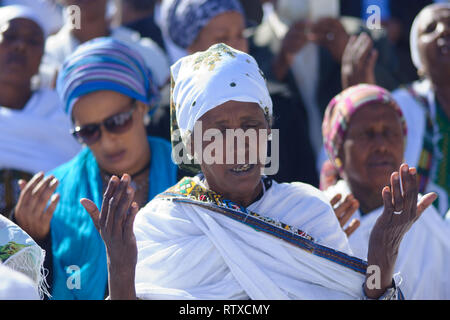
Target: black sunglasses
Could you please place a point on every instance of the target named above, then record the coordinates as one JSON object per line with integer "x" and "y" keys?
{"x": 117, "y": 124}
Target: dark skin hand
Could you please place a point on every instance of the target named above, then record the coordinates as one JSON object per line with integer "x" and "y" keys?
{"x": 358, "y": 61}
{"x": 345, "y": 210}
{"x": 115, "y": 225}
{"x": 330, "y": 33}
{"x": 31, "y": 212}
{"x": 390, "y": 228}
{"x": 295, "y": 39}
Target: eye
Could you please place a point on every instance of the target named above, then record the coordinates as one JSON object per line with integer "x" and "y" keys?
{"x": 430, "y": 27}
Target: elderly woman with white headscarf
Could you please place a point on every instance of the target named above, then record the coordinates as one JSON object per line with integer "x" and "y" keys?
{"x": 231, "y": 232}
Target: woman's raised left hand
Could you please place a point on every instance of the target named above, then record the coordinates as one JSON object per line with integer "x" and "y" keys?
{"x": 115, "y": 225}
{"x": 401, "y": 211}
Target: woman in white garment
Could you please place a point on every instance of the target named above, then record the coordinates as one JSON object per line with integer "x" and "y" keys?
{"x": 425, "y": 103}
{"x": 34, "y": 130}
{"x": 231, "y": 232}
{"x": 364, "y": 134}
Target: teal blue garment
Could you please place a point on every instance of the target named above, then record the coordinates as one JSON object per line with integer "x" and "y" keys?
{"x": 76, "y": 244}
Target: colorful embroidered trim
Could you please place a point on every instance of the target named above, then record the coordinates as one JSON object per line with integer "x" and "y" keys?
{"x": 188, "y": 191}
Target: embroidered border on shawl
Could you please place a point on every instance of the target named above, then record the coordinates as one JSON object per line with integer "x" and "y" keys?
{"x": 188, "y": 191}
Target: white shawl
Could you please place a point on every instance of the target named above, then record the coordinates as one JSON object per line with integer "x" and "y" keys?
{"x": 188, "y": 252}
{"x": 424, "y": 254}
{"x": 16, "y": 286}
{"x": 36, "y": 138}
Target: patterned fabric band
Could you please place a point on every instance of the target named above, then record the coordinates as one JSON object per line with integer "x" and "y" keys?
{"x": 189, "y": 191}
{"x": 105, "y": 64}
{"x": 186, "y": 18}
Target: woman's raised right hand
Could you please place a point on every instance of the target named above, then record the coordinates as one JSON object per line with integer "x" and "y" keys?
{"x": 31, "y": 212}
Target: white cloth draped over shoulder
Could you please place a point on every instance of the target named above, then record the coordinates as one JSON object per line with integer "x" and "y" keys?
{"x": 189, "y": 252}
{"x": 424, "y": 254}
{"x": 36, "y": 138}
{"x": 16, "y": 286}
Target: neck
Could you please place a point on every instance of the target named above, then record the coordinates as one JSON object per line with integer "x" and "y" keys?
{"x": 443, "y": 96}
{"x": 369, "y": 199}
{"x": 241, "y": 199}
{"x": 90, "y": 29}
{"x": 14, "y": 96}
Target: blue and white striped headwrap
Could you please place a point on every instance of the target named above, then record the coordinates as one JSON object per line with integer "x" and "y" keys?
{"x": 105, "y": 64}
{"x": 187, "y": 17}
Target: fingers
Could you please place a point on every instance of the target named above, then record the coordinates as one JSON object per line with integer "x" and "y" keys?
{"x": 54, "y": 200}
{"x": 92, "y": 209}
{"x": 28, "y": 190}
{"x": 410, "y": 191}
{"x": 122, "y": 209}
{"x": 397, "y": 197}
{"x": 335, "y": 199}
{"x": 114, "y": 203}
{"x": 128, "y": 233}
{"x": 352, "y": 227}
{"x": 110, "y": 189}
{"x": 43, "y": 192}
{"x": 425, "y": 202}
{"x": 22, "y": 184}
{"x": 351, "y": 207}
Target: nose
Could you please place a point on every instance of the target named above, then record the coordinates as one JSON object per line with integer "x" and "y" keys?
{"x": 379, "y": 142}
{"x": 19, "y": 44}
{"x": 108, "y": 140}
{"x": 443, "y": 28}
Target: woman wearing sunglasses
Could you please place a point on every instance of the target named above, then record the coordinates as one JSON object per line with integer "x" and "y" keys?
{"x": 107, "y": 90}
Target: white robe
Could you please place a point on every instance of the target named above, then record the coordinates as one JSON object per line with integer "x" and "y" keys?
{"x": 36, "y": 138}
{"x": 424, "y": 254}
{"x": 188, "y": 252}
{"x": 16, "y": 286}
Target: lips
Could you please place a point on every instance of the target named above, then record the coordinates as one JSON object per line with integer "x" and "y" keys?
{"x": 381, "y": 162}
{"x": 116, "y": 157}
{"x": 242, "y": 169}
{"x": 16, "y": 59}
{"x": 443, "y": 45}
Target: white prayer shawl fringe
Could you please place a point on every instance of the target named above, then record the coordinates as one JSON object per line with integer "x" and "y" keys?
{"x": 188, "y": 252}
{"x": 37, "y": 137}
{"x": 424, "y": 254}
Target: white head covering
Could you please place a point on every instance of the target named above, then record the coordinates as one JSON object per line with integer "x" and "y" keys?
{"x": 207, "y": 79}
{"x": 9, "y": 13}
{"x": 414, "y": 34}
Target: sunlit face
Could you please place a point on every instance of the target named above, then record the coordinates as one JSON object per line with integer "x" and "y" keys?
{"x": 373, "y": 146}
{"x": 127, "y": 152}
{"x": 434, "y": 43}
{"x": 21, "y": 49}
{"x": 225, "y": 28}
{"x": 229, "y": 179}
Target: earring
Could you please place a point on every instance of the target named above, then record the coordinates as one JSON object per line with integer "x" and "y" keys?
{"x": 338, "y": 162}
{"x": 147, "y": 119}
